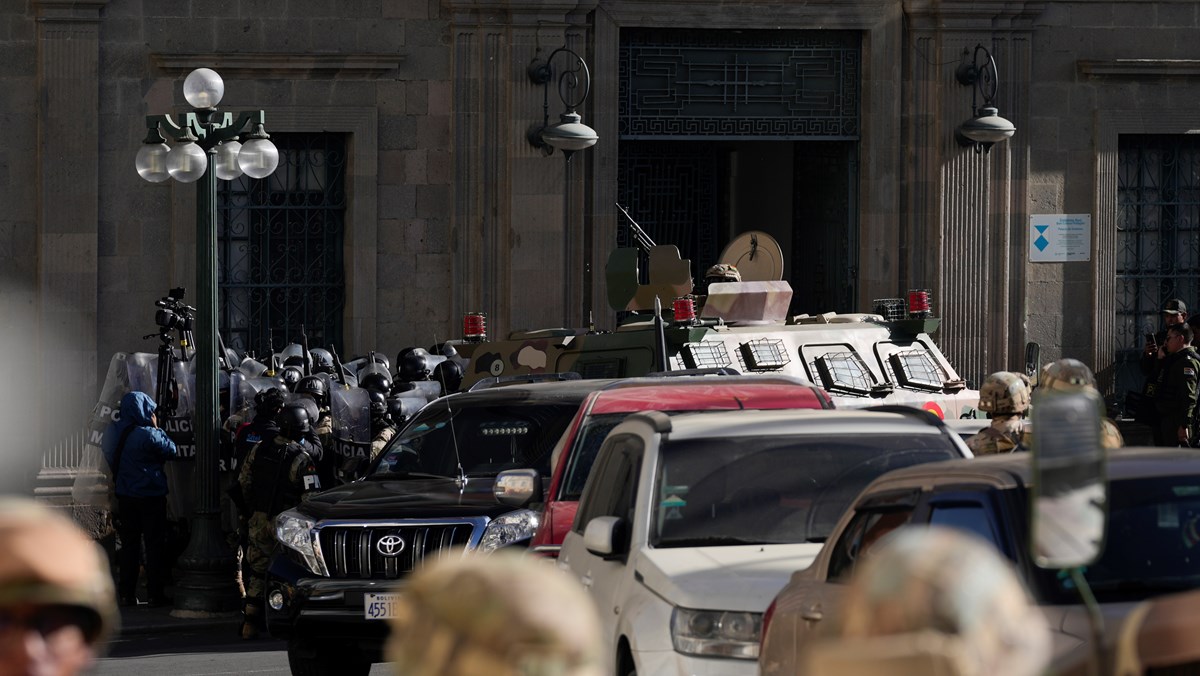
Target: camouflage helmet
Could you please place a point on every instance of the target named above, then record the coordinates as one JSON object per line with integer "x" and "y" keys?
{"x": 500, "y": 614}
{"x": 935, "y": 580}
{"x": 1067, "y": 374}
{"x": 723, "y": 272}
{"x": 50, "y": 560}
{"x": 1004, "y": 393}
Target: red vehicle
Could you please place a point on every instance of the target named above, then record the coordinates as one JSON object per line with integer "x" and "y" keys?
{"x": 604, "y": 409}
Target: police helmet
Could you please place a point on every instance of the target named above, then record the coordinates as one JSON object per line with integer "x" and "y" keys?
{"x": 379, "y": 404}
{"x": 322, "y": 360}
{"x": 449, "y": 374}
{"x": 269, "y": 400}
{"x": 291, "y": 376}
{"x": 414, "y": 366}
{"x": 1004, "y": 393}
{"x": 312, "y": 385}
{"x": 1067, "y": 374}
{"x": 443, "y": 349}
{"x": 293, "y": 421}
{"x": 376, "y": 381}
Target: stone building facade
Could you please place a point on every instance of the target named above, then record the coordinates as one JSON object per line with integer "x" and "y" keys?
{"x": 447, "y": 208}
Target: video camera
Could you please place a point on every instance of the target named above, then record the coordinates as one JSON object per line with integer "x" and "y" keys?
{"x": 173, "y": 313}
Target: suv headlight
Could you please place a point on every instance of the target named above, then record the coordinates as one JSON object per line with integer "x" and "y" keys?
{"x": 508, "y": 529}
{"x": 716, "y": 633}
{"x": 295, "y": 531}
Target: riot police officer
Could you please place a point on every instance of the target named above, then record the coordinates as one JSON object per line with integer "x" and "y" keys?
{"x": 383, "y": 428}
{"x": 1005, "y": 397}
{"x": 322, "y": 360}
{"x": 316, "y": 390}
{"x": 276, "y": 476}
{"x": 291, "y": 376}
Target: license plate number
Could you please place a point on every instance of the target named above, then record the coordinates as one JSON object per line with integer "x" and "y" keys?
{"x": 380, "y": 606}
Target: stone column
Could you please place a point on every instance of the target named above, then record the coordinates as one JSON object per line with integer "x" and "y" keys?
{"x": 68, "y": 56}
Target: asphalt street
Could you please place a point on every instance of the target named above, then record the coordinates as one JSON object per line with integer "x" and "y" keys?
{"x": 204, "y": 651}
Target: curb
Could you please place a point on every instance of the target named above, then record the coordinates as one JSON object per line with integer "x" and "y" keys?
{"x": 160, "y": 620}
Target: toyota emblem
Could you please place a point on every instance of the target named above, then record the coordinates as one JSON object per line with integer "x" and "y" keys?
{"x": 390, "y": 545}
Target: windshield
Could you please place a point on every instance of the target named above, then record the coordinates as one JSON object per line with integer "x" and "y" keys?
{"x": 765, "y": 490}
{"x": 587, "y": 445}
{"x": 489, "y": 437}
{"x": 1152, "y": 544}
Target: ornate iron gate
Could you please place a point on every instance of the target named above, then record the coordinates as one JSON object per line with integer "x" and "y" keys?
{"x": 1158, "y": 240}
{"x": 280, "y": 247}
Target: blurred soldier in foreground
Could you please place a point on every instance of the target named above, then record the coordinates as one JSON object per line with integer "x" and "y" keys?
{"x": 500, "y": 615}
{"x": 57, "y": 606}
{"x": 1005, "y": 397}
{"x": 932, "y": 601}
{"x": 275, "y": 477}
{"x": 1072, "y": 375}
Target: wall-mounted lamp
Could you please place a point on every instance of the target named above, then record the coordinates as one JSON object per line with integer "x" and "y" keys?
{"x": 985, "y": 127}
{"x": 569, "y": 134}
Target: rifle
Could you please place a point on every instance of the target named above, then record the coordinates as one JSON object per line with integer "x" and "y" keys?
{"x": 307, "y": 358}
{"x": 639, "y": 235}
{"x": 223, "y": 357}
{"x": 273, "y": 366}
{"x": 337, "y": 364}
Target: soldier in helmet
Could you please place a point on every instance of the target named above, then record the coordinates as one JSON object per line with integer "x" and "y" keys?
{"x": 501, "y": 615}
{"x": 57, "y": 606}
{"x": 1005, "y": 397}
{"x": 1072, "y": 375}
{"x": 932, "y": 600}
{"x": 277, "y": 474}
{"x": 322, "y": 360}
{"x": 316, "y": 390}
{"x": 414, "y": 365}
{"x": 291, "y": 376}
{"x": 383, "y": 428}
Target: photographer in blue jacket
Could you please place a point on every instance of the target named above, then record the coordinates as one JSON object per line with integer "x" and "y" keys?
{"x": 136, "y": 450}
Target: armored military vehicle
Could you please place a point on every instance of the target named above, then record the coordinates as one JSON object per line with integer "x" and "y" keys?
{"x": 862, "y": 359}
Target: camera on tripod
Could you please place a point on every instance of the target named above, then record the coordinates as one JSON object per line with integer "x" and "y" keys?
{"x": 173, "y": 313}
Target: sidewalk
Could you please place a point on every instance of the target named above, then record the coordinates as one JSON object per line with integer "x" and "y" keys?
{"x": 142, "y": 619}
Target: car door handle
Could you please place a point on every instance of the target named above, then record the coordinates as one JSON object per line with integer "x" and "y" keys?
{"x": 813, "y": 613}
{"x": 586, "y": 580}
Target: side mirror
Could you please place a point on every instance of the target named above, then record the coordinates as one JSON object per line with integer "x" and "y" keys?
{"x": 606, "y": 536}
{"x": 517, "y": 487}
{"x": 1033, "y": 362}
{"x": 1070, "y": 487}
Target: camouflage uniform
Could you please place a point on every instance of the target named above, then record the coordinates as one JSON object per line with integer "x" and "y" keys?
{"x": 935, "y": 593}
{"x": 275, "y": 477}
{"x": 1005, "y": 396}
{"x": 501, "y": 615}
{"x": 382, "y": 437}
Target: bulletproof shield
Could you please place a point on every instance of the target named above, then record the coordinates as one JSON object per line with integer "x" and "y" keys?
{"x": 252, "y": 368}
{"x": 294, "y": 355}
{"x": 251, "y": 386}
{"x": 351, "y": 412}
{"x": 91, "y": 484}
{"x": 367, "y": 368}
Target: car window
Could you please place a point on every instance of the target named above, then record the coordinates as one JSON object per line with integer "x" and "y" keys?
{"x": 1152, "y": 542}
{"x": 486, "y": 438}
{"x": 612, "y": 490}
{"x": 967, "y": 516}
{"x": 583, "y": 454}
{"x": 778, "y": 489}
{"x": 865, "y": 529}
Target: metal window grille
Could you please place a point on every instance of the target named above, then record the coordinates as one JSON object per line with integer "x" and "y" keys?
{"x": 280, "y": 247}
{"x": 1158, "y": 240}
{"x": 915, "y": 368}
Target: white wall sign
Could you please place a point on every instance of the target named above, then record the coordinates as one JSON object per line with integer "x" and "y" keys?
{"x": 1059, "y": 238}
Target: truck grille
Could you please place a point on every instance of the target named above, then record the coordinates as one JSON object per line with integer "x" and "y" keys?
{"x": 389, "y": 551}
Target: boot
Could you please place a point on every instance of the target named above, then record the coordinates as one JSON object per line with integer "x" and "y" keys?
{"x": 252, "y": 621}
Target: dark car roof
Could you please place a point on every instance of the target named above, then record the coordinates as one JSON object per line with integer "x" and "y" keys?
{"x": 564, "y": 390}
{"x": 1015, "y": 469}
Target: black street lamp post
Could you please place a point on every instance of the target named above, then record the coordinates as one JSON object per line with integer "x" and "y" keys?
{"x": 207, "y": 148}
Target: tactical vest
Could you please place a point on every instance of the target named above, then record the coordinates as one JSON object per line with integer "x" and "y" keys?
{"x": 271, "y": 489}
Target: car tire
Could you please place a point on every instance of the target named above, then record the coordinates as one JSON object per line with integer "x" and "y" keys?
{"x": 306, "y": 660}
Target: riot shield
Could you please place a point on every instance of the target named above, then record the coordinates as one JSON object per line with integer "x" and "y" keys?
{"x": 252, "y": 368}
{"x": 91, "y": 485}
{"x": 351, "y": 411}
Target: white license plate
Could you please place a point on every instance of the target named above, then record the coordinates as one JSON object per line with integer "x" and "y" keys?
{"x": 380, "y": 606}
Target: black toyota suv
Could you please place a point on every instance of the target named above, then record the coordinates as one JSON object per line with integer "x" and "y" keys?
{"x": 332, "y": 588}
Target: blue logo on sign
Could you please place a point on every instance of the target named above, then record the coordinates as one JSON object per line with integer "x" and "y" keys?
{"x": 1041, "y": 242}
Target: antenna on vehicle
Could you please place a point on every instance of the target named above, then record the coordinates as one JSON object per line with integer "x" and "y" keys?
{"x": 461, "y": 479}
